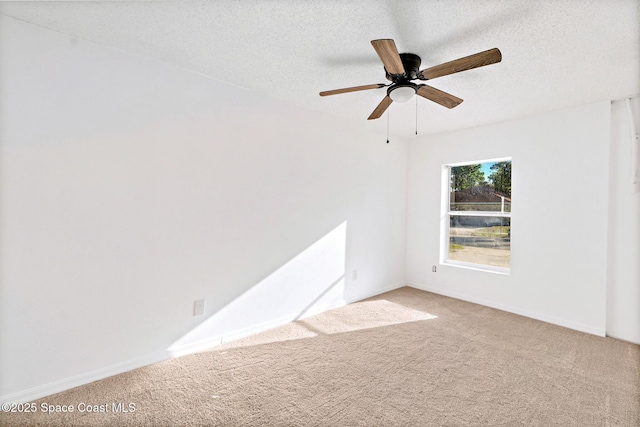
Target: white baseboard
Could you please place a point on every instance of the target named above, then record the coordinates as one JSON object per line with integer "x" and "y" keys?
{"x": 58, "y": 386}
{"x": 376, "y": 292}
{"x": 516, "y": 310}
{"x": 195, "y": 347}
{"x": 254, "y": 329}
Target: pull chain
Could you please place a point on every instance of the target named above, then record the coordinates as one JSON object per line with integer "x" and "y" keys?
{"x": 388, "y": 114}
{"x": 416, "y": 115}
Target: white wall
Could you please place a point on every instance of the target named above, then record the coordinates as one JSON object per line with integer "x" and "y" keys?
{"x": 130, "y": 188}
{"x": 623, "y": 278}
{"x": 559, "y": 216}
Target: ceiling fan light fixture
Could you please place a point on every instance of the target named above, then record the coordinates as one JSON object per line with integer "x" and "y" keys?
{"x": 402, "y": 93}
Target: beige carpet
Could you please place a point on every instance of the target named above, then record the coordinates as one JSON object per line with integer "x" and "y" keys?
{"x": 404, "y": 358}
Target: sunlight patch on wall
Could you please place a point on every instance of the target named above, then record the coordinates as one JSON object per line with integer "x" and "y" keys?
{"x": 311, "y": 282}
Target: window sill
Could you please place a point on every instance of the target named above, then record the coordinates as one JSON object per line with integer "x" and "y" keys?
{"x": 478, "y": 267}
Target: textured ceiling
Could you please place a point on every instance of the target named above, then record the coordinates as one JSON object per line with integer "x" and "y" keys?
{"x": 556, "y": 53}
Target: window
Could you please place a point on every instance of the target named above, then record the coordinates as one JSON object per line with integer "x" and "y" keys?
{"x": 477, "y": 220}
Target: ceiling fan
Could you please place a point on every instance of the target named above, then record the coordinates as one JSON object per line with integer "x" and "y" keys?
{"x": 402, "y": 68}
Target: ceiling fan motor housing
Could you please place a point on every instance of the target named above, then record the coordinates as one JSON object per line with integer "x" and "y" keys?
{"x": 411, "y": 63}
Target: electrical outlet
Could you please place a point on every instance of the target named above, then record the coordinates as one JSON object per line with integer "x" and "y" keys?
{"x": 433, "y": 269}
{"x": 354, "y": 274}
{"x": 198, "y": 307}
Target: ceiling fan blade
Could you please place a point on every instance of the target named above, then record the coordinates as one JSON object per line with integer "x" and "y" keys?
{"x": 388, "y": 53}
{"x": 438, "y": 96}
{"x": 476, "y": 60}
{"x": 351, "y": 89}
{"x": 381, "y": 108}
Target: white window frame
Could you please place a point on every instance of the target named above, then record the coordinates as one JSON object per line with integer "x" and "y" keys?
{"x": 445, "y": 214}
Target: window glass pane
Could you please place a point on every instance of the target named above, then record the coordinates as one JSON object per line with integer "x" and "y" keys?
{"x": 481, "y": 187}
{"x": 480, "y": 240}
